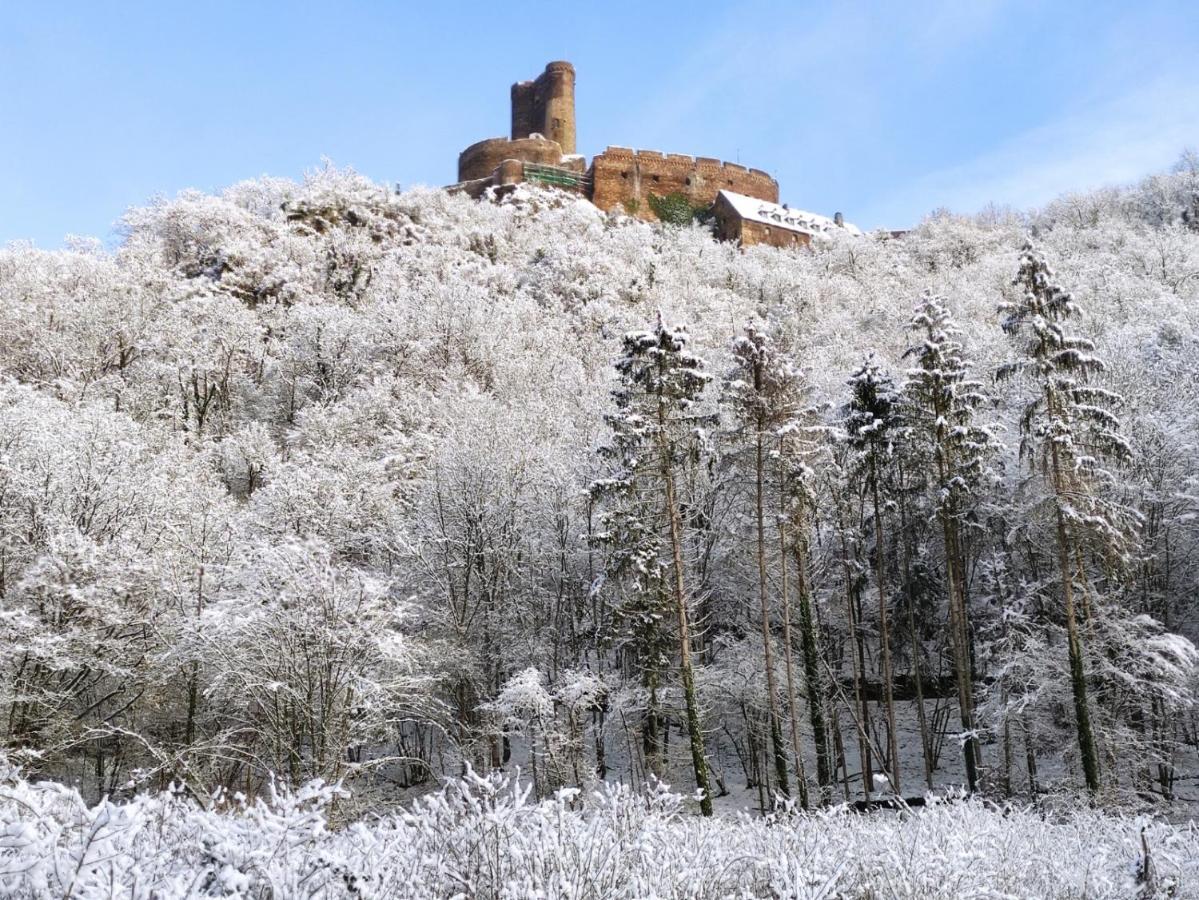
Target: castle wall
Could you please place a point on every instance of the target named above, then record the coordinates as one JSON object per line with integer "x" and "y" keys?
{"x": 481, "y": 159}
{"x": 546, "y": 106}
{"x": 624, "y": 179}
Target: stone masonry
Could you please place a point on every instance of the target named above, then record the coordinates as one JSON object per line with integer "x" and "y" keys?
{"x": 624, "y": 179}
{"x": 541, "y": 148}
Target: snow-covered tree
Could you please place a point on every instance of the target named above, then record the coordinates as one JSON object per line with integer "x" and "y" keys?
{"x": 871, "y": 419}
{"x": 1069, "y": 433}
{"x": 940, "y": 404}
{"x": 657, "y": 429}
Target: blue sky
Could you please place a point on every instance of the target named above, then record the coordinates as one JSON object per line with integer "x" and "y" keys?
{"x": 884, "y": 111}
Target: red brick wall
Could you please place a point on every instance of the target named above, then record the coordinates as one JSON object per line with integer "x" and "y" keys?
{"x": 623, "y": 179}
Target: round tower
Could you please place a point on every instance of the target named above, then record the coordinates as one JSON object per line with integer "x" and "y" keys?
{"x": 558, "y": 99}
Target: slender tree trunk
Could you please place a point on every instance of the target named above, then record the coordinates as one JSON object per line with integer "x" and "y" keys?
{"x": 961, "y": 654}
{"x": 694, "y": 730}
{"x": 842, "y": 756}
{"x": 884, "y": 636}
{"x": 958, "y": 624}
{"x": 1078, "y": 676}
{"x": 1030, "y": 759}
{"x": 651, "y": 737}
{"x": 811, "y": 659}
{"x": 925, "y": 743}
{"x": 922, "y": 718}
{"x": 1007, "y": 751}
{"x": 859, "y": 699}
{"x": 788, "y": 658}
{"x": 776, "y": 731}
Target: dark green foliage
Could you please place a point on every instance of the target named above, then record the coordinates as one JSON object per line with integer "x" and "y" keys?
{"x": 675, "y": 209}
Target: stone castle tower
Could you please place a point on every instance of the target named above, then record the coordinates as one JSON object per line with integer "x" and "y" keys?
{"x": 542, "y": 149}
{"x": 547, "y": 106}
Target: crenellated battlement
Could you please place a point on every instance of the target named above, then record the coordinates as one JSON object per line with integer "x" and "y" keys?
{"x": 622, "y": 178}
{"x": 677, "y": 159}
{"x": 625, "y": 179}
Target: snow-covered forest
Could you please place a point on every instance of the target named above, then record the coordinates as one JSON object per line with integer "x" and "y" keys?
{"x": 325, "y": 484}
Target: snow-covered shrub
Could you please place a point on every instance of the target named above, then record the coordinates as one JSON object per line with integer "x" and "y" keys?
{"x": 485, "y": 838}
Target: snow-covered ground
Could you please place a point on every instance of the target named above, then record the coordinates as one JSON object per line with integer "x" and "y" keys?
{"x": 486, "y": 838}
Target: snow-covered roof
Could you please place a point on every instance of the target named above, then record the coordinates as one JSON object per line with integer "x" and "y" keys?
{"x": 767, "y": 213}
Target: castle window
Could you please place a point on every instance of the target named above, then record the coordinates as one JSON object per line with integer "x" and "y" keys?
{"x": 656, "y": 178}
{"x": 624, "y": 174}
{"x": 688, "y": 181}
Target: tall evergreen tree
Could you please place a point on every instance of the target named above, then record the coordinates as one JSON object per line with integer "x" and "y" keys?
{"x": 871, "y": 418}
{"x": 940, "y": 402}
{"x": 1068, "y": 433}
{"x": 656, "y": 433}
{"x": 799, "y": 439}
{"x": 759, "y": 391}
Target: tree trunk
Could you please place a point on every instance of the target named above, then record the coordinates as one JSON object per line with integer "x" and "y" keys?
{"x": 694, "y": 731}
{"x": 958, "y": 630}
{"x": 921, "y": 718}
{"x": 917, "y": 673}
{"x": 884, "y": 636}
{"x": 776, "y": 731}
{"x": 855, "y": 649}
{"x": 1078, "y": 675}
{"x": 811, "y": 660}
{"x": 788, "y": 658}
{"x": 961, "y": 653}
{"x": 651, "y": 737}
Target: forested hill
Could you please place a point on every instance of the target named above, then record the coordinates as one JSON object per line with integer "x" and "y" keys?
{"x": 325, "y": 480}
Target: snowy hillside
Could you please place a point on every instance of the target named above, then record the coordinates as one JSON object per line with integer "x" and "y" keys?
{"x": 322, "y": 481}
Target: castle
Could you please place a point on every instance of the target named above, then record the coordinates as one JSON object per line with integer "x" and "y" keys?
{"x": 641, "y": 183}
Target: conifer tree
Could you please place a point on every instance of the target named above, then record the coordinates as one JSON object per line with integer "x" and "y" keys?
{"x": 759, "y": 393}
{"x": 871, "y": 418}
{"x": 836, "y": 478}
{"x": 940, "y": 402}
{"x": 1068, "y": 433}
{"x": 657, "y": 431}
{"x": 798, "y": 438}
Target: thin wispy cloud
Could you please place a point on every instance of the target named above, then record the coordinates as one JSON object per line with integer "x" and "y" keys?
{"x": 882, "y": 111}
{"x": 1114, "y": 142}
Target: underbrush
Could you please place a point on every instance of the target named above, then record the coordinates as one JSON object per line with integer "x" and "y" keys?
{"x": 485, "y": 838}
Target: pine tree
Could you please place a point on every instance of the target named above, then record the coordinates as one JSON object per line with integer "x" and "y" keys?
{"x": 940, "y": 402}
{"x": 756, "y": 390}
{"x": 656, "y": 433}
{"x": 837, "y": 486}
{"x": 799, "y": 438}
{"x": 870, "y": 422}
{"x": 1068, "y": 432}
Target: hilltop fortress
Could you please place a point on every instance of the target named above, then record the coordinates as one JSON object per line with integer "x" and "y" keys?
{"x": 541, "y": 148}
{"x": 642, "y": 183}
